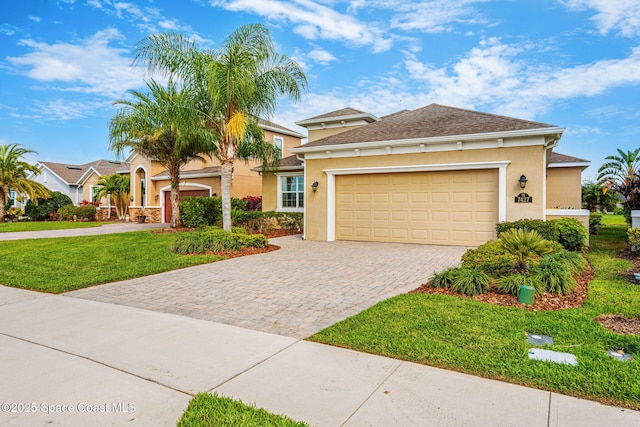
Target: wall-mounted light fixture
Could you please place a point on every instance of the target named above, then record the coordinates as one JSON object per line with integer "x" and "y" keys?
{"x": 157, "y": 196}
{"x": 523, "y": 181}
{"x": 314, "y": 186}
{"x": 131, "y": 198}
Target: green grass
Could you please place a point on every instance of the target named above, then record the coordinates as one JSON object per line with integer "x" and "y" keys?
{"x": 7, "y": 227}
{"x": 490, "y": 341}
{"x": 67, "y": 263}
{"x": 206, "y": 410}
{"x": 610, "y": 219}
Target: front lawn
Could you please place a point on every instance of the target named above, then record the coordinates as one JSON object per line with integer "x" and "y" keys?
{"x": 7, "y": 227}
{"x": 206, "y": 410}
{"x": 490, "y": 341}
{"x": 63, "y": 264}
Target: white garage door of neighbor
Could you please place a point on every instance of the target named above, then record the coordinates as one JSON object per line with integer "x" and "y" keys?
{"x": 445, "y": 208}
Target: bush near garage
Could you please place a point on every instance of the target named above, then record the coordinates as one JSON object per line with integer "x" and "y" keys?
{"x": 83, "y": 212}
{"x": 569, "y": 232}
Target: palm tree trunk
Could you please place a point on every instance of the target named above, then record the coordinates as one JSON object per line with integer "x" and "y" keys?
{"x": 3, "y": 200}
{"x": 175, "y": 197}
{"x": 225, "y": 178}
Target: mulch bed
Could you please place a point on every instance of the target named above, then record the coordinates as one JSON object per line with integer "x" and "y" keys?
{"x": 546, "y": 302}
{"x": 272, "y": 234}
{"x": 620, "y": 324}
{"x": 247, "y": 251}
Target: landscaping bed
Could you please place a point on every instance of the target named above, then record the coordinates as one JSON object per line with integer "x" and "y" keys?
{"x": 546, "y": 302}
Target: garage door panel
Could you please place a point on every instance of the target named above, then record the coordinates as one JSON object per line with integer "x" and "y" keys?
{"x": 453, "y": 207}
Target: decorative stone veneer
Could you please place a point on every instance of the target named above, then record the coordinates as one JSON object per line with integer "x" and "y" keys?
{"x": 153, "y": 214}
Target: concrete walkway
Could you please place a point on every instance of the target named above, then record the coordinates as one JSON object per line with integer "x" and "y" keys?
{"x": 90, "y": 231}
{"x": 76, "y": 362}
{"x": 295, "y": 291}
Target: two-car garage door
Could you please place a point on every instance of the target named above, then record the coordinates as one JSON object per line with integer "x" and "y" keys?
{"x": 447, "y": 208}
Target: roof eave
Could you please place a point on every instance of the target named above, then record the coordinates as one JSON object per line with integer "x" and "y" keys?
{"x": 554, "y": 131}
{"x": 282, "y": 131}
{"x": 337, "y": 119}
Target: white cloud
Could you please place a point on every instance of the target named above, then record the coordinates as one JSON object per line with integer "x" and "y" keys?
{"x": 90, "y": 65}
{"x": 620, "y": 15}
{"x": 313, "y": 20}
{"x": 34, "y": 18}
{"x": 498, "y": 76}
{"x": 321, "y": 56}
{"x": 433, "y": 16}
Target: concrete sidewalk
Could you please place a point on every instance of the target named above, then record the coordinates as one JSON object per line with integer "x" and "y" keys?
{"x": 90, "y": 231}
{"x": 115, "y": 365}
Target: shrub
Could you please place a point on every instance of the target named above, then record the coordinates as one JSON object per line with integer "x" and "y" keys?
{"x": 268, "y": 221}
{"x": 490, "y": 258}
{"x": 573, "y": 261}
{"x": 196, "y": 212}
{"x": 470, "y": 282}
{"x": 633, "y": 237}
{"x": 572, "y": 234}
{"x": 556, "y": 277}
{"x": 444, "y": 279}
{"x": 595, "y": 222}
{"x": 523, "y": 245}
{"x": 253, "y": 203}
{"x": 86, "y": 212}
{"x": 216, "y": 240}
{"x": 66, "y": 213}
{"x": 511, "y": 284}
{"x": 619, "y": 211}
{"x": 46, "y": 208}
{"x": 546, "y": 229}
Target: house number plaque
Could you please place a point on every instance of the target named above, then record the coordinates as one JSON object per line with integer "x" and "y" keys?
{"x": 524, "y": 198}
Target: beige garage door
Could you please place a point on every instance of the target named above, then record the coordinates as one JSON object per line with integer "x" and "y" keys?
{"x": 447, "y": 208}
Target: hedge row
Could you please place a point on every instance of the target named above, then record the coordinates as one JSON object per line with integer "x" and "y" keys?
{"x": 569, "y": 232}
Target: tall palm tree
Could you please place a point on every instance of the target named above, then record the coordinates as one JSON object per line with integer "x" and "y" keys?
{"x": 161, "y": 125}
{"x": 237, "y": 84}
{"x": 13, "y": 175}
{"x": 621, "y": 174}
{"x": 116, "y": 187}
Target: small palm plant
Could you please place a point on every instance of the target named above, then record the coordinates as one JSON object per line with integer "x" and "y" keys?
{"x": 524, "y": 245}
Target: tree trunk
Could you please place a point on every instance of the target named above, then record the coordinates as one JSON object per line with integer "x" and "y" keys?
{"x": 225, "y": 178}
{"x": 3, "y": 201}
{"x": 175, "y": 198}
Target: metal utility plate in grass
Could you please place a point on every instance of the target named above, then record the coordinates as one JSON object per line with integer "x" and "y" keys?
{"x": 552, "y": 356}
{"x": 537, "y": 339}
{"x": 623, "y": 357}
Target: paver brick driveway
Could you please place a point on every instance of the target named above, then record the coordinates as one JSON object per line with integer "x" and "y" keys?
{"x": 295, "y": 291}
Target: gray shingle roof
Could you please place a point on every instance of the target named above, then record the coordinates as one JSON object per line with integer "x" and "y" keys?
{"x": 434, "y": 120}
{"x": 337, "y": 113}
{"x": 72, "y": 173}
{"x": 563, "y": 158}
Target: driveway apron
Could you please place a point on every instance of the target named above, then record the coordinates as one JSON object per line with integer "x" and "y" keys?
{"x": 295, "y": 291}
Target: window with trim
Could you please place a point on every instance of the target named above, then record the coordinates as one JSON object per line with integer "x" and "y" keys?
{"x": 292, "y": 192}
{"x": 279, "y": 143}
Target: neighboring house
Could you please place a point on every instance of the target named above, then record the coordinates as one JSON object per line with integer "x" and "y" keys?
{"x": 78, "y": 181}
{"x": 151, "y": 188}
{"x": 435, "y": 175}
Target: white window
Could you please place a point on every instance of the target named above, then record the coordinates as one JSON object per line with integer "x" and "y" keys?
{"x": 279, "y": 143}
{"x": 291, "y": 193}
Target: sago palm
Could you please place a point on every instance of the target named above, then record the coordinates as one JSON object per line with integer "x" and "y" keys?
{"x": 14, "y": 173}
{"x": 524, "y": 244}
{"x": 161, "y": 125}
{"x": 236, "y": 84}
{"x": 116, "y": 187}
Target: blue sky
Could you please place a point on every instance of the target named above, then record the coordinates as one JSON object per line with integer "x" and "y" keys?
{"x": 570, "y": 63}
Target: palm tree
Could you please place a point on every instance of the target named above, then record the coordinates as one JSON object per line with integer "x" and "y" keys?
{"x": 116, "y": 187}
{"x": 161, "y": 125}
{"x": 236, "y": 84}
{"x": 621, "y": 174}
{"x": 14, "y": 174}
{"x": 596, "y": 196}
{"x": 524, "y": 245}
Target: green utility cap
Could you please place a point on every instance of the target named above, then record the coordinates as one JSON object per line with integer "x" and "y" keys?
{"x": 526, "y": 294}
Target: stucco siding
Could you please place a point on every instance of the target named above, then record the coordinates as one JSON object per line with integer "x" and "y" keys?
{"x": 564, "y": 188}
{"x": 526, "y": 160}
